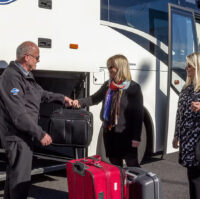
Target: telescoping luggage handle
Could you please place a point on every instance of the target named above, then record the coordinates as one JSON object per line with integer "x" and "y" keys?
{"x": 80, "y": 166}
{"x": 134, "y": 173}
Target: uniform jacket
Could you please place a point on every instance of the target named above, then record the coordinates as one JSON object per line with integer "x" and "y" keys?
{"x": 20, "y": 98}
{"x": 131, "y": 109}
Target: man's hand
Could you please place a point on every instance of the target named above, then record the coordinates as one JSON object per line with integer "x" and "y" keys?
{"x": 46, "y": 140}
{"x": 135, "y": 143}
{"x": 68, "y": 101}
{"x": 76, "y": 104}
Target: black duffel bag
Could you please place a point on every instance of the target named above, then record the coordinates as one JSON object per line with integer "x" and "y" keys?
{"x": 71, "y": 127}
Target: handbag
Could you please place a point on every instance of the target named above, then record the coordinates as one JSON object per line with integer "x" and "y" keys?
{"x": 197, "y": 150}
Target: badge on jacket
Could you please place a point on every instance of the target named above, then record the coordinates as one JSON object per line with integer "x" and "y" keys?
{"x": 15, "y": 91}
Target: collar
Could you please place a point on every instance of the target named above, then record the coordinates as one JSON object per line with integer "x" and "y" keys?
{"x": 21, "y": 68}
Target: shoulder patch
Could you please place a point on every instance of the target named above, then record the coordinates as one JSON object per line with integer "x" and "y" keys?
{"x": 15, "y": 91}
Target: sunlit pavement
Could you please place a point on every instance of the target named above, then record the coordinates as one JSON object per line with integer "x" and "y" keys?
{"x": 173, "y": 176}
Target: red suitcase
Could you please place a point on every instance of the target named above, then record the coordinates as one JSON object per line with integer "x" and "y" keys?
{"x": 91, "y": 178}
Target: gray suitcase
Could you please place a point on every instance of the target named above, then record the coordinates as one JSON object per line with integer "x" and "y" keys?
{"x": 140, "y": 184}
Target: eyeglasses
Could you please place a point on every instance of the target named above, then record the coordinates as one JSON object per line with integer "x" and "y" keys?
{"x": 110, "y": 67}
{"x": 37, "y": 58}
{"x": 188, "y": 66}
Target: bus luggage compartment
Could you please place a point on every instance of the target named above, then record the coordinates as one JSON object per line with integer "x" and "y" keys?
{"x": 71, "y": 84}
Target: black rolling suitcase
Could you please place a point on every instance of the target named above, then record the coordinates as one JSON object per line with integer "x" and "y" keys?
{"x": 140, "y": 184}
{"x": 71, "y": 127}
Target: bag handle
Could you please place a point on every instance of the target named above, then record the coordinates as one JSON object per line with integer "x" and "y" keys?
{"x": 94, "y": 161}
{"x": 79, "y": 168}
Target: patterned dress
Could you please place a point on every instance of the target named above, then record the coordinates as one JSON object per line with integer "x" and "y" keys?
{"x": 187, "y": 126}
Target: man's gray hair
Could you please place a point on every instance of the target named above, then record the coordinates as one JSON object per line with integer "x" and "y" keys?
{"x": 25, "y": 48}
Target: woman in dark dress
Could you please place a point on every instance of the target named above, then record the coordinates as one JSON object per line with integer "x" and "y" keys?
{"x": 121, "y": 113}
{"x": 187, "y": 131}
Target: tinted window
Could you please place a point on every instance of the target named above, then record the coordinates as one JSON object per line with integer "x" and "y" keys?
{"x": 182, "y": 39}
{"x": 149, "y": 16}
{"x": 190, "y": 3}
{"x": 183, "y": 44}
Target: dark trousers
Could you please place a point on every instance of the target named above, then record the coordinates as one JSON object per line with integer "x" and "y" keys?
{"x": 18, "y": 172}
{"x": 118, "y": 148}
{"x": 194, "y": 182}
{"x": 131, "y": 159}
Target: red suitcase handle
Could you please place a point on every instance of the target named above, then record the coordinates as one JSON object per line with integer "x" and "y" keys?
{"x": 81, "y": 165}
{"x": 94, "y": 161}
{"x": 79, "y": 168}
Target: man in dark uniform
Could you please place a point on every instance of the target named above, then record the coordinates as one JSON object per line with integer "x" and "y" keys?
{"x": 20, "y": 98}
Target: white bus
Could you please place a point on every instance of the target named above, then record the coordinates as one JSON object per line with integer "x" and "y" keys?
{"x": 77, "y": 37}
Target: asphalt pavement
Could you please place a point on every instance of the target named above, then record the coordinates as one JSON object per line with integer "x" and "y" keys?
{"x": 173, "y": 180}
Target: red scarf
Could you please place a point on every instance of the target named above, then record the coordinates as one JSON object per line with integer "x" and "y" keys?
{"x": 112, "y": 108}
{"x": 113, "y": 86}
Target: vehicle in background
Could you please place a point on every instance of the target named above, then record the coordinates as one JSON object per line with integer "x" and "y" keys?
{"x": 77, "y": 37}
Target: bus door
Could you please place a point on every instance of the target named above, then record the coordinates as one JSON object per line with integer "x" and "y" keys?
{"x": 182, "y": 42}
{"x": 197, "y": 23}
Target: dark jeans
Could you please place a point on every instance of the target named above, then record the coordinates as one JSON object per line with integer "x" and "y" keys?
{"x": 194, "y": 182}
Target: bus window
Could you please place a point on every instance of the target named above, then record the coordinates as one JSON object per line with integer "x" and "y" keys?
{"x": 138, "y": 14}
{"x": 183, "y": 43}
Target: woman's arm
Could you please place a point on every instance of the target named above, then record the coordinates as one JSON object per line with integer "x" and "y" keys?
{"x": 136, "y": 114}
{"x": 95, "y": 98}
{"x": 178, "y": 121}
{"x": 175, "y": 142}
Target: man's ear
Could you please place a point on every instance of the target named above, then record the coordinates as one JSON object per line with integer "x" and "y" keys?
{"x": 25, "y": 58}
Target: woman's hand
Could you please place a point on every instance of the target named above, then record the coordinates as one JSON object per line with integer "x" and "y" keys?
{"x": 195, "y": 106}
{"x": 76, "y": 104}
{"x": 175, "y": 142}
{"x": 135, "y": 143}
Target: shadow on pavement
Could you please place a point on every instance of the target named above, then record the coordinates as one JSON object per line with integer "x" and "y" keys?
{"x": 172, "y": 157}
{"x": 41, "y": 178}
{"x": 43, "y": 193}
{"x": 147, "y": 160}
{"x": 60, "y": 173}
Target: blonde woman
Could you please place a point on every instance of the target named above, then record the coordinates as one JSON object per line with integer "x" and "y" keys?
{"x": 121, "y": 113}
{"x": 187, "y": 131}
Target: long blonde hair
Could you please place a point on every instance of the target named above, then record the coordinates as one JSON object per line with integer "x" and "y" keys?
{"x": 194, "y": 61}
{"x": 121, "y": 63}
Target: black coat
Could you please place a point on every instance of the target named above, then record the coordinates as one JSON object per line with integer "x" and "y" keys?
{"x": 130, "y": 119}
